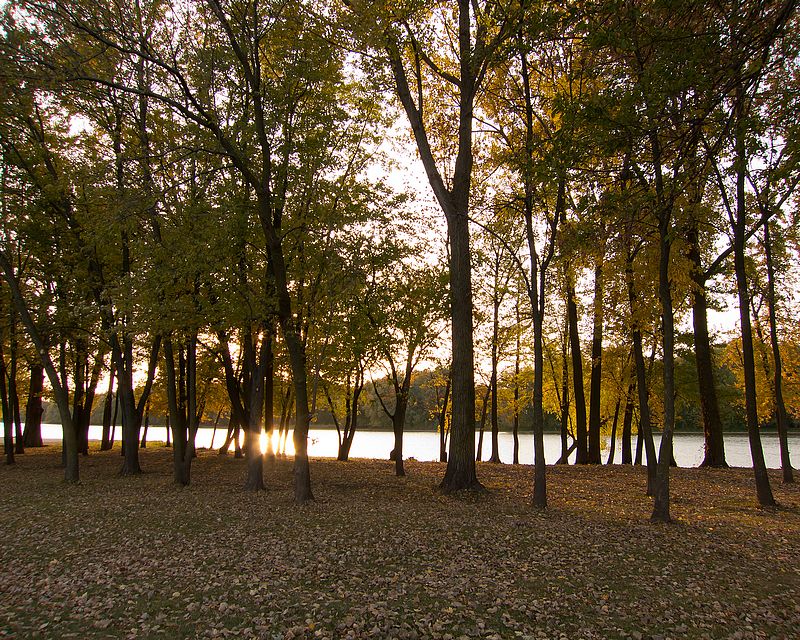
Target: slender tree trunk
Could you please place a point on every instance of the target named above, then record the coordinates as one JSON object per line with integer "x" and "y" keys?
{"x": 214, "y": 431}
{"x": 223, "y": 450}
{"x": 564, "y": 458}
{"x": 255, "y": 459}
{"x": 495, "y": 457}
{"x": 88, "y": 402}
{"x": 484, "y": 408}
{"x": 398, "y": 425}
{"x": 645, "y": 432}
{"x": 665, "y": 231}
{"x": 13, "y": 396}
{"x": 80, "y": 383}
{"x": 177, "y": 413}
{"x": 780, "y": 408}
{"x": 127, "y": 406}
{"x": 443, "y": 423}
{"x": 106, "y": 442}
{"x": 114, "y": 420}
{"x": 582, "y": 455}
{"x": 8, "y": 418}
{"x": 237, "y": 441}
{"x": 596, "y": 372}
{"x": 613, "y": 440}
{"x": 515, "y": 424}
{"x": 639, "y": 445}
{"x": 192, "y": 417}
{"x": 269, "y": 399}
{"x": 32, "y": 435}
{"x": 709, "y": 405}
{"x": 763, "y": 489}
{"x": 146, "y": 426}
{"x": 627, "y": 422}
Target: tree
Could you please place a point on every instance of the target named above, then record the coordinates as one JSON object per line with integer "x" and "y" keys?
{"x": 422, "y": 65}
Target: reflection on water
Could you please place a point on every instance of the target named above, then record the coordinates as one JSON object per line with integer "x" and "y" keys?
{"x": 424, "y": 445}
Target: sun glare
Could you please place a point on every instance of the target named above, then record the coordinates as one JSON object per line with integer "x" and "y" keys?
{"x": 263, "y": 441}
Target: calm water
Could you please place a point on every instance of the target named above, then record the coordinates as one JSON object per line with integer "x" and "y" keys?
{"x": 424, "y": 445}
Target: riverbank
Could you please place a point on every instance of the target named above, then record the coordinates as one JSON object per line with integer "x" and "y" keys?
{"x": 379, "y": 556}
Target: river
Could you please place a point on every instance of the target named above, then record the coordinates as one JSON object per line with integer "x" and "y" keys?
{"x": 424, "y": 445}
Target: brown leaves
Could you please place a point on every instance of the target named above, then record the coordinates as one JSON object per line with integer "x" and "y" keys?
{"x": 385, "y": 557}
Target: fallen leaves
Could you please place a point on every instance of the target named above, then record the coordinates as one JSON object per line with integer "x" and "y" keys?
{"x": 383, "y": 557}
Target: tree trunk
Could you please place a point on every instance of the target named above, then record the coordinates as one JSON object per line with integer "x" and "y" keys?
{"x": 461, "y": 472}
{"x": 763, "y": 489}
{"x": 8, "y": 418}
{"x": 495, "y": 457}
{"x": 564, "y": 458}
{"x": 32, "y": 435}
{"x": 214, "y": 430}
{"x": 106, "y": 442}
{"x": 665, "y": 231}
{"x": 13, "y": 396}
{"x": 443, "y": 423}
{"x": 114, "y": 420}
{"x": 398, "y": 425}
{"x": 596, "y": 372}
{"x": 613, "y": 440}
{"x": 709, "y": 405}
{"x": 80, "y": 384}
{"x": 145, "y": 427}
{"x": 645, "y": 433}
{"x": 627, "y": 422}
{"x": 258, "y": 367}
{"x": 192, "y": 417}
{"x": 780, "y": 408}
{"x": 582, "y": 455}
{"x": 515, "y": 424}
{"x": 639, "y": 443}
{"x": 177, "y": 415}
{"x": 269, "y": 400}
{"x": 484, "y": 408}
{"x": 223, "y": 450}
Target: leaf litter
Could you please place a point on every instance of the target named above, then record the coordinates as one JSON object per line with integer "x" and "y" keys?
{"x": 375, "y": 556}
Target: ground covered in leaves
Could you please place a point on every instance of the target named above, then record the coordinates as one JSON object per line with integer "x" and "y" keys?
{"x": 386, "y": 557}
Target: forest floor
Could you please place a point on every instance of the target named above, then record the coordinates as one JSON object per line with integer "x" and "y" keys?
{"x": 386, "y": 557}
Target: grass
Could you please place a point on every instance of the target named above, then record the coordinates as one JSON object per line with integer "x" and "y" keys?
{"x": 385, "y": 557}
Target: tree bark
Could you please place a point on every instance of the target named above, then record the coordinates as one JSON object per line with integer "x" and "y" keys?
{"x": 593, "y": 456}
{"x": 484, "y": 408}
{"x": 8, "y": 416}
{"x": 564, "y": 458}
{"x": 763, "y": 489}
{"x": 665, "y": 231}
{"x": 582, "y": 455}
{"x": 709, "y": 405}
{"x": 13, "y": 395}
{"x": 627, "y": 422}
{"x": 495, "y": 456}
{"x": 781, "y": 417}
{"x": 32, "y": 435}
{"x": 460, "y": 473}
{"x": 105, "y": 442}
{"x": 443, "y": 421}
{"x": 613, "y": 441}
{"x": 645, "y": 425}
{"x": 515, "y": 424}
